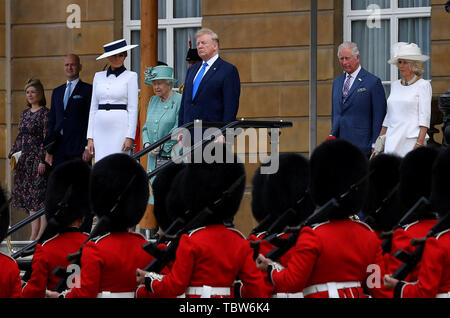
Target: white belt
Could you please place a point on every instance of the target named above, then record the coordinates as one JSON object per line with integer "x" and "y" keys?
{"x": 107, "y": 294}
{"x": 288, "y": 295}
{"x": 207, "y": 291}
{"x": 331, "y": 288}
{"x": 443, "y": 295}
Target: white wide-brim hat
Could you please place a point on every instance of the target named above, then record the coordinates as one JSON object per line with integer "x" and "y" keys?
{"x": 115, "y": 47}
{"x": 406, "y": 51}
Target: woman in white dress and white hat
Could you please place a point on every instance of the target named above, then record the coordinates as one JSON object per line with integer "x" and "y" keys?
{"x": 409, "y": 105}
{"x": 114, "y": 104}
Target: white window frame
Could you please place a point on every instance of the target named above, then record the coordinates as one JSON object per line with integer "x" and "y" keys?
{"x": 394, "y": 14}
{"x": 169, "y": 24}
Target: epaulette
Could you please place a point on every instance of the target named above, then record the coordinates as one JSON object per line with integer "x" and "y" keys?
{"x": 98, "y": 238}
{"x": 407, "y": 226}
{"x": 237, "y": 231}
{"x": 442, "y": 233}
{"x": 50, "y": 239}
{"x": 9, "y": 256}
{"x": 195, "y": 230}
{"x": 364, "y": 224}
{"x": 316, "y": 225}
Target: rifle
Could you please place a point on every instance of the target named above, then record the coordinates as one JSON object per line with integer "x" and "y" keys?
{"x": 320, "y": 215}
{"x": 411, "y": 260}
{"x": 75, "y": 258}
{"x": 419, "y": 208}
{"x": 273, "y": 231}
{"x": 371, "y": 219}
{"x": 179, "y": 227}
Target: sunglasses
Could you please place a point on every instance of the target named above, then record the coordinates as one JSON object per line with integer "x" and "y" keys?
{"x": 119, "y": 55}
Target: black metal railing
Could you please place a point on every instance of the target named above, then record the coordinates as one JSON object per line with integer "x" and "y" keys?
{"x": 28, "y": 249}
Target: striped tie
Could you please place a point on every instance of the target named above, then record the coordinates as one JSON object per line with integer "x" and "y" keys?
{"x": 346, "y": 87}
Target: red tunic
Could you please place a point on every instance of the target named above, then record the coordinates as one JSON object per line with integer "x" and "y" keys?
{"x": 214, "y": 256}
{"x": 266, "y": 247}
{"x": 434, "y": 273}
{"x": 109, "y": 264}
{"x": 334, "y": 251}
{"x": 401, "y": 239}
{"x": 10, "y": 282}
{"x": 51, "y": 254}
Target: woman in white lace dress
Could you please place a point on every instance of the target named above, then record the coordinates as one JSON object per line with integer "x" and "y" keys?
{"x": 409, "y": 105}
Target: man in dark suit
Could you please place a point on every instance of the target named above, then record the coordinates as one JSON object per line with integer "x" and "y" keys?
{"x": 358, "y": 101}
{"x": 212, "y": 87}
{"x": 69, "y": 116}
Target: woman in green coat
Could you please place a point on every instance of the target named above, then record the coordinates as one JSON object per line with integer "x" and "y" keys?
{"x": 162, "y": 114}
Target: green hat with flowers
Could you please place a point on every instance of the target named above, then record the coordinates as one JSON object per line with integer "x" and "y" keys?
{"x": 160, "y": 72}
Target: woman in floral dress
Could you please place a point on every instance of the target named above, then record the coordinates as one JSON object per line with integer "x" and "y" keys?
{"x": 30, "y": 181}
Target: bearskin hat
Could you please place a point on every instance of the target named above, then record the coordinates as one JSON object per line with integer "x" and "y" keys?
{"x": 200, "y": 185}
{"x": 440, "y": 190}
{"x": 276, "y": 193}
{"x": 67, "y": 194}
{"x": 415, "y": 175}
{"x": 383, "y": 185}
{"x": 336, "y": 165}
{"x": 162, "y": 187}
{"x": 119, "y": 190}
{"x": 4, "y": 215}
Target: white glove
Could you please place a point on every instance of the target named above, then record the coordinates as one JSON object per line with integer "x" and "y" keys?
{"x": 146, "y": 145}
{"x": 155, "y": 152}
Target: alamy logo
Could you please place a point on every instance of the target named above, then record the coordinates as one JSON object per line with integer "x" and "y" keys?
{"x": 74, "y": 19}
{"x": 374, "y": 19}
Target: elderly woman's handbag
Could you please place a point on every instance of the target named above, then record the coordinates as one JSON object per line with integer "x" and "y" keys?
{"x": 379, "y": 146}
{"x": 14, "y": 160}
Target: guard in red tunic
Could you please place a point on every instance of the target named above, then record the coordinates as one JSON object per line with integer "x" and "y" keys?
{"x": 212, "y": 257}
{"x": 66, "y": 204}
{"x": 415, "y": 183}
{"x": 433, "y": 274}
{"x": 340, "y": 257}
{"x": 280, "y": 200}
{"x": 9, "y": 274}
{"x": 119, "y": 192}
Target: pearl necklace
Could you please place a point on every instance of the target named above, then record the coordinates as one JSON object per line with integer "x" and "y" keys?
{"x": 408, "y": 83}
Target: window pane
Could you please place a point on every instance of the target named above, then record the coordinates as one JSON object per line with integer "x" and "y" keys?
{"x": 187, "y": 8}
{"x": 136, "y": 52}
{"x": 364, "y": 4}
{"x": 417, "y": 30}
{"x": 181, "y": 48}
{"x": 413, "y": 3}
{"x": 136, "y": 9}
{"x": 373, "y": 57}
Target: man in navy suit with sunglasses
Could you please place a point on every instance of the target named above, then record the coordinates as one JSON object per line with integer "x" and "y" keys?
{"x": 69, "y": 116}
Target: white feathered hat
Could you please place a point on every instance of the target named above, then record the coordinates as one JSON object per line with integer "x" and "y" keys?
{"x": 116, "y": 47}
{"x": 406, "y": 51}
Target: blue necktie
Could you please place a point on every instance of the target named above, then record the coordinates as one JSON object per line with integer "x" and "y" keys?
{"x": 66, "y": 97}
{"x": 67, "y": 94}
{"x": 198, "y": 79}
